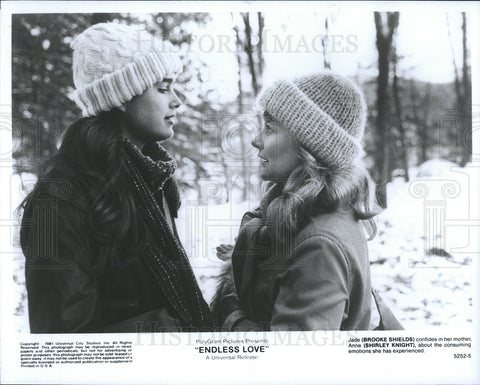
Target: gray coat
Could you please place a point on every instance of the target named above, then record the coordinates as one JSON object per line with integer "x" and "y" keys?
{"x": 319, "y": 279}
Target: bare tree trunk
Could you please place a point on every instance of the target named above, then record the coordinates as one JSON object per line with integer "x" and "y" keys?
{"x": 226, "y": 175}
{"x": 256, "y": 77}
{"x": 382, "y": 86}
{"x": 399, "y": 120}
{"x": 455, "y": 67}
{"x": 422, "y": 125}
{"x": 196, "y": 182}
{"x": 466, "y": 113}
{"x": 465, "y": 67}
{"x": 463, "y": 92}
{"x": 249, "y": 51}
{"x": 241, "y": 112}
{"x": 261, "y": 60}
{"x": 383, "y": 142}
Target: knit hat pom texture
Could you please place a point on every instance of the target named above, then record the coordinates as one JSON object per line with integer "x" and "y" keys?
{"x": 114, "y": 62}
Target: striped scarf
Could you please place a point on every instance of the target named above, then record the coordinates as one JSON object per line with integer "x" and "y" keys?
{"x": 151, "y": 173}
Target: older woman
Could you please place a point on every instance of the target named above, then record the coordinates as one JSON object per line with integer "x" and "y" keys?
{"x": 300, "y": 261}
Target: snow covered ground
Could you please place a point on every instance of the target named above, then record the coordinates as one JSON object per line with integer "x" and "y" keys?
{"x": 421, "y": 258}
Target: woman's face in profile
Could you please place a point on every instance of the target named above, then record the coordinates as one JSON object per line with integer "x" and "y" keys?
{"x": 151, "y": 115}
{"x": 278, "y": 153}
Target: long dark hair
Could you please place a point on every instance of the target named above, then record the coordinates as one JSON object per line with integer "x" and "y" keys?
{"x": 313, "y": 188}
{"x": 90, "y": 159}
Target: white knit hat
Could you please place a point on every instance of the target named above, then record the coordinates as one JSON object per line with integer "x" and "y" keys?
{"x": 113, "y": 62}
{"x": 324, "y": 112}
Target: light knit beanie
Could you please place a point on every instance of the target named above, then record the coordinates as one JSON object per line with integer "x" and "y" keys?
{"x": 113, "y": 62}
{"x": 324, "y": 112}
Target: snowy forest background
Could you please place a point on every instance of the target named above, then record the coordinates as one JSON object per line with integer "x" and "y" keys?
{"x": 418, "y": 140}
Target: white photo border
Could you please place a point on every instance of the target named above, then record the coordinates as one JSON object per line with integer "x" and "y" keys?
{"x": 313, "y": 357}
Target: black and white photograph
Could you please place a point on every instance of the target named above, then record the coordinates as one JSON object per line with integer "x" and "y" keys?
{"x": 235, "y": 173}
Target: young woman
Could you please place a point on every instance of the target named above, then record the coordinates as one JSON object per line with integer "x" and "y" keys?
{"x": 98, "y": 232}
{"x": 300, "y": 261}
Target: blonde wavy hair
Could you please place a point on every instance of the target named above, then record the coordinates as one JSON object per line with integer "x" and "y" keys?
{"x": 313, "y": 188}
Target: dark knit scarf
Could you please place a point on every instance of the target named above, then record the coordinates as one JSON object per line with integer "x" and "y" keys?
{"x": 151, "y": 172}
